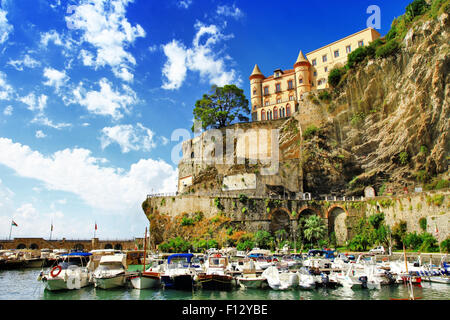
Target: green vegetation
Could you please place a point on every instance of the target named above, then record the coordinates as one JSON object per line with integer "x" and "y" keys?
{"x": 445, "y": 245}
{"x": 325, "y": 96}
{"x": 186, "y": 221}
{"x": 310, "y": 131}
{"x": 222, "y": 107}
{"x": 243, "y": 198}
{"x": 335, "y": 76}
{"x": 315, "y": 229}
{"x": 423, "y": 224}
{"x": 403, "y": 158}
{"x": 218, "y": 204}
{"x": 357, "y": 119}
{"x": 436, "y": 199}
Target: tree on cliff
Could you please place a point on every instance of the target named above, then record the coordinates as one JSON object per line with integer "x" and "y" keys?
{"x": 221, "y": 107}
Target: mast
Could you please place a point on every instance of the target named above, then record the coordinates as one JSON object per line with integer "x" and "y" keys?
{"x": 145, "y": 248}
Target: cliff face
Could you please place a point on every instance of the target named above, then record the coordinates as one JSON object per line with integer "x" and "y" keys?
{"x": 390, "y": 122}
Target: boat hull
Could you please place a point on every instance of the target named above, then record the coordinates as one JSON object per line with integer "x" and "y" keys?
{"x": 215, "y": 282}
{"x": 179, "y": 282}
{"x": 252, "y": 283}
{"x": 58, "y": 284}
{"x": 145, "y": 282}
{"x": 111, "y": 282}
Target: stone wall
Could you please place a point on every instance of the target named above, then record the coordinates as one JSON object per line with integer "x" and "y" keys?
{"x": 432, "y": 205}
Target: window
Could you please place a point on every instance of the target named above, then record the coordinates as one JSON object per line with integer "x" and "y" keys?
{"x": 315, "y": 73}
{"x": 300, "y": 80}
{"x": 324, "y": 58}
{"x": 269, "y": 115}
{"x": 291, "y": 98}
{"x": 288, "y": 110}
{"x": 336, "y": 54}
{"x": 275, "y": 113}
{"x": 326, "y": 69}
{"x": 277, "y": 87}
{"x": 348, "y": 49}
{"x": 314, "y": 62}
{"x": 263, "y": 114}
{"x": 254, "y": 92}
{"x": 290, "y": 84}
{"x": 267, "y": 102}
{"x": 278, "y": 100}
{"x": 266, "y": 90}
{"x": 360, "y": 43}
{"x": 282, "y": 114}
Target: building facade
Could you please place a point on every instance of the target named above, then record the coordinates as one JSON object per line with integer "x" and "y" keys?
{"x": 280, "y": 94}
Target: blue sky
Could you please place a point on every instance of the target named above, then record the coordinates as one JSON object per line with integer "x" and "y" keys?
{"x": 92, "y": 90}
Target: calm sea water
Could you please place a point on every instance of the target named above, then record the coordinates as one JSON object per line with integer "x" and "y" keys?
{"x": 22, "y": 285}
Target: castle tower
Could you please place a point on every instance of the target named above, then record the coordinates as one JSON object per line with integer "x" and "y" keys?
{"x": 302, "y": 69}
{"x": 256, "y": 79}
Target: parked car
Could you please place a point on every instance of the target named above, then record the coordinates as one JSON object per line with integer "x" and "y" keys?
{"x": 378, "y": 250}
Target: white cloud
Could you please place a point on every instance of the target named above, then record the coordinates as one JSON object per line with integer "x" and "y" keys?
{"x": 184, "y": 4}
{"x": 202, "y": 57}
{"x": 175, "y": 68}
{"x": 78, "y": 172}
{"x": 128, "y": 137}
{"x": 41, "y": 119}
{"x": 51, "y": 36}
{"x": 153, "y": 48}
{"x": 107, "y": 101}
{"x": 35, "y": 103}
{"x": 5, "y": 27}
{"x": 105, "y": 26}
{"x": 230, "y": 11}
{"x": 6, "y": 90}
{"x": 40, "y": 134}
{"x": 27, "y": 61}
{"x": 8, "y": 111}
{"x": 55, "y": 78}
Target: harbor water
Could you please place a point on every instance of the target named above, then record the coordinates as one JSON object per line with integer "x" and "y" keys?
{"x": 23, "y": 285}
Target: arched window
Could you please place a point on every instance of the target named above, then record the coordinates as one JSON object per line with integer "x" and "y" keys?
{"x": 300, "y": 80}
{"x": 282, "y": 114}
{"x": 254, "y": 91}
{"x": 269, "y": 115}
{"x": 288, "y": 110}
{"x": 263, "y": 114}
{"x": 275, "y": 112}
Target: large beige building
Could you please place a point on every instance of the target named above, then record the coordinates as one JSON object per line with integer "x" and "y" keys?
{"x": 280, "y": 94}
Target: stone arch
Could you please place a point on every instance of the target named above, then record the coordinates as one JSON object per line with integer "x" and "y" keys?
{"x": 22, "y": 246}
{"x": 118, "y": 246}
{"x": 108, "y": 246}
{"x": 34, "y": 246}
{"x": 336, "y": 216}
{"x": 280, "y": 218}
{"x": 79, "y": 247}
{"x": 305, "y": 210}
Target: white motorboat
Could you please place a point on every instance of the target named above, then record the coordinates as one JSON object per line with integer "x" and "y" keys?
{"x": 70, "y": 273}
{"x": 179, "y": 272}
{"x": 249, "y": 278}
{"x": 217, "y": 275}
{"x": 111, "y": 272}
{"x": 281, "y": 280}
{"x": 305, "y": 279}
{"x": 147, "y": 279}
{"x": 350, "y": 279}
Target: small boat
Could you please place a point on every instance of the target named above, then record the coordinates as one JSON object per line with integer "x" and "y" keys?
{"x": 111, "y": 272}
{"x": 249, "y": 278}
{"x": 70, "y": 273}
{"x": 216, "y": 275}
{"x": 178, "y": 272}
{"x": 150, "y": 278}
{"x": 281, "y": 280}
{"x": 305, "y": 279}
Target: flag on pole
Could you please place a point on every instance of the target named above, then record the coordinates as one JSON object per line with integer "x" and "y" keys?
{"x": 14, "y": 224}
{"x": 96, "y": 226}
{"x": 51, "y": 228}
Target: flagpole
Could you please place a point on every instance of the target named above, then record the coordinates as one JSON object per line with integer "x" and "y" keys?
{"x": 10, "y": 229}
{"x": 95, "y": 228}
{"x": 51, "y": 231}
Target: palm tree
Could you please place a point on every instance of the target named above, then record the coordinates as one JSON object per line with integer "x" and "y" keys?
{"x": 315, "y": 229}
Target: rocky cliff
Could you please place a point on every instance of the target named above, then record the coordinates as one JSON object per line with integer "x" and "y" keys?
{"x": 387, "y": 121}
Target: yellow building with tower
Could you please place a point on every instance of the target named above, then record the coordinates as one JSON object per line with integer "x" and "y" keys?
{"x": 280, "y": 94}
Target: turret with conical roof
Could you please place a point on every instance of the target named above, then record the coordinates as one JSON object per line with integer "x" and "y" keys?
{"x": 302, "y": 68}
{"x": 256, "y": 79}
